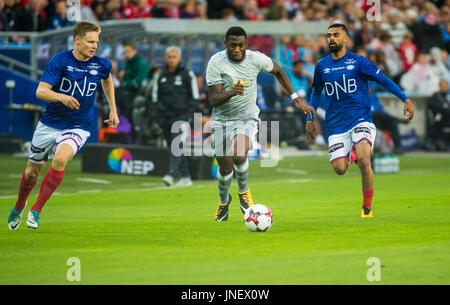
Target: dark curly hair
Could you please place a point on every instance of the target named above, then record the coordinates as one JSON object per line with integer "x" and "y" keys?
{"x": 235, "y": 31}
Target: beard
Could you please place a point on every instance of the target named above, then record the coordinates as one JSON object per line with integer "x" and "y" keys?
{"x": 335, "y": 48}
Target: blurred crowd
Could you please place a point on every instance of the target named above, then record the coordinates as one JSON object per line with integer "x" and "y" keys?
{"x": 409, "y": 40}
{"x": 410, "y": 43}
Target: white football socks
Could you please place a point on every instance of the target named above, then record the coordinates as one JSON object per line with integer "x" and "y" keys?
{"x": 224, "y": 186}
{"x": 242, "y": 176}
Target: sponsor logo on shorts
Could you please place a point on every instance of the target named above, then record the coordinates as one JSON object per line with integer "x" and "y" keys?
{"x": 335, "y": 147}
{"x": 362, "y": 129}
{"x": 74, "y": 136}
{"x": 36, "y": 150}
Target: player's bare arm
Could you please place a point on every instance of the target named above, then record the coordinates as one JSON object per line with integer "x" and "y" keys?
{"x": 44, "y": 92}
{"x": 408, "y": 109}
{"x": 311, "y": 131}
{"x": 284, "y": 81}
{"x": 218, "y": 98}
{"x": 108, "y": 89}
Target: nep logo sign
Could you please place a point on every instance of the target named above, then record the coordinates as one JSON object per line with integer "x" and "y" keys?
{"x": 120, "y": 160}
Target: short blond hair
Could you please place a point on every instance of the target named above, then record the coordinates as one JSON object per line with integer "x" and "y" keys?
{"x": 83, "y": 27}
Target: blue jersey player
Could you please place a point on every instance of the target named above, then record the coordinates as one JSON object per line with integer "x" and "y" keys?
{"x": 344, "y": 76}
{"x": 69, "y": 84}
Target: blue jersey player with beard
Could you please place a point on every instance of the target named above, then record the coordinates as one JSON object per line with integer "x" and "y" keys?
{"x": 344, "y": 77}
{"x": 69, "y": 84}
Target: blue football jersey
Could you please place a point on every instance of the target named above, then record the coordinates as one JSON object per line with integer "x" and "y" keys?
{"x": 345, "y": 82}
{"x": 79, "y": 79}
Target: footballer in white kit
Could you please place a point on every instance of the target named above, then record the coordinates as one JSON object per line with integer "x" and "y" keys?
{"x": 232, "y": 89}
{"x": 240, "y": 114}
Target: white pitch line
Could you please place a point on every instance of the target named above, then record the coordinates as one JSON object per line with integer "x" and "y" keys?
{"x": 89, "y": 191}
{"x": 291, "y": 171}
{"x": 293, "y": 181}
{"x": 93, "y": 180}
{"x": 8, "y": 196}
{"x": 150, "y": 189}
{"x": 150, "y": 184}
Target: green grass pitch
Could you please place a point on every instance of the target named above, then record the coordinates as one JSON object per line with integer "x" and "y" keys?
{"x": 135, "y": 231}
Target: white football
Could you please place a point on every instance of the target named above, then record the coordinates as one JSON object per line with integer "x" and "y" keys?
{"x": 258, "y": 218}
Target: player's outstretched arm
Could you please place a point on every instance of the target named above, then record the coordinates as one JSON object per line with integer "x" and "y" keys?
{"x": 408, "y": 109}
{"x": 371, "y": 72}
{"x": 311, "y": 131}
{"x": 218, "y": 98}
{"x": 108, "y": 89}
{"x": 44, "y": 92}
{"x": 285, "y": 82}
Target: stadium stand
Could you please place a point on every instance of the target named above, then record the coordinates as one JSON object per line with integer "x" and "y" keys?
{"x": 198, "y": 27}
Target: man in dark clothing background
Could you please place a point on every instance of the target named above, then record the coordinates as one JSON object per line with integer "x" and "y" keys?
{"x": 383, "y": 120}
{"x": 29, "y": 18}
{"x": 427, "y": 32}
{"x": 216, "y": 7}
{"x": 175, "y": 93}
{"x": 440, "y": 108}
{"x": 134, "y": 79}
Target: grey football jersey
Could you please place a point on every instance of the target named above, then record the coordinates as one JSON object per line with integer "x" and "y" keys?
{"x": 221, "y": 70}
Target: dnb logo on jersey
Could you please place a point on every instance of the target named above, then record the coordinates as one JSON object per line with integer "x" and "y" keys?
{"x": 120, "y": 160}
